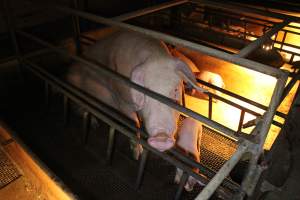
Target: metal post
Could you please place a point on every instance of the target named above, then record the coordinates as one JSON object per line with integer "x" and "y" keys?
{"x": 47, "y": 94}
{"x": 283, "y": 39}
{"x": 241, "y": 120}
{"x": 141, "y": 170}
{"x": 10, "y": 22}
{"x": 258, "y": 42}
{"x": 76, "y": 27}
{"x": 214, "y": 183}
{"x": 210, "y": 106}
{"x": 182, "y": 183}
{"x": 110, "y": 147}
{"x": 86, "y": 127}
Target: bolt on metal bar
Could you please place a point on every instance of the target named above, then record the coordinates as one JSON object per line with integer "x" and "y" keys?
{"x": 215, "y": 182}
{"x": 86, "y": 127}
{"x": 125, "y": 80}
{"x": 110, "y": 147}
{"x": 93, "y": 107}
{"x": 175, "y": 41}
{"x": 181, "y": 185}
{"x": 141, "y": 170}
{"x": 258, "y": 42}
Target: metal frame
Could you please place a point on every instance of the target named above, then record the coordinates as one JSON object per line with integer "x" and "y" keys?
{"x": 97, "y": 109}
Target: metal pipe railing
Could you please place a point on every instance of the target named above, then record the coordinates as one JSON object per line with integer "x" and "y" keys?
{"x": 125, "y": 80}
{"x": 223, "y": 173}
{"x": 92, "y": 106}
{"x": 258, "y": 42}
{"x": 175, "y": 41}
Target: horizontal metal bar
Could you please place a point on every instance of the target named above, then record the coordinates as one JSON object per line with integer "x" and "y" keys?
{"x": 258, "y": 105}
{"x": 149, "y": 10}
{"x": 117, "y": 77}
{"x": 64, "y": 88}
{"x": 231, "y": 6}
{"x": 176, "y": 41}
{"x": 258, "y": 42}
{"x": 215, "y": 182}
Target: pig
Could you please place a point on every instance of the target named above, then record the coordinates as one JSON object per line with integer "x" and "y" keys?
{"x": 212, "y": 78}
{"x": 188, "y": 141}
{"x": 148, "y": 63}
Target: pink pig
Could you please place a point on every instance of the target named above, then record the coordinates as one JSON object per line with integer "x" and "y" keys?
{"x": 189, "y": 138}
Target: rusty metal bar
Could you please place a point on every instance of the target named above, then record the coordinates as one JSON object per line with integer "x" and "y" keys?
{"x": 216, "y": 181}
{"x": 86, "y": 127}
{"x": 125, "y": 80}
{"x": 181, "y": 185}
{"x": 175, "y": 41}
{"x": 289, "y": 86}
{"x": 141, "y": 170}
{"x": 258, "y": 42}
{"x": 110, "y": 147}
{"x": 93, "y": 106}
{"x": 283, "y": 39}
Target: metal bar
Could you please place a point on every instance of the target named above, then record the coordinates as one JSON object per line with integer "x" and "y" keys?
{"x": 149, "y": 10}
{"x": 10, "y": 22}
{"x": 125, "y": 80}
{"x": 182, "y": 183}
{"x": 258, "y": 105}
{"x": 61, "y": 86}
{"x": 76, "y": 27}
{"x": 66, "y": 110}
{"x": 86, "y": 127}
{"x": 141, "y": 169}
{"x": 283, "y": 39}
{"x": 210, "y": 106}
{"x": 93, "y": 106}
{"x": 289, "y": 86}
{"x": 241, "y": 120}
{"x": 258, "y": 42}
{"x": 110, "y": 147}
{"x": 215, "y": 182}
{"x": 233, "y": 7}
{"x": 176, "y": 41}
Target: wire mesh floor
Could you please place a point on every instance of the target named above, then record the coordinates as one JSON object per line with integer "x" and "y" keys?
{"x": 8, "y": 171}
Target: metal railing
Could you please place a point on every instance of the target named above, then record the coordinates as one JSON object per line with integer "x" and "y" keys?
{"x": 97, "y": 109}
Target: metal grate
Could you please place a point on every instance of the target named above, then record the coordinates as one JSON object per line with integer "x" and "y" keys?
{"x": 8, "y": 172}
{"x": 215, "y": 148}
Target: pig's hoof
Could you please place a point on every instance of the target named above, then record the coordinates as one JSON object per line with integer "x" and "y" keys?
{"x": 161, "y": 142}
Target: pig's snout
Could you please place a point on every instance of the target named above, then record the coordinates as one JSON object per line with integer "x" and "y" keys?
{"x": 161, "y": 141}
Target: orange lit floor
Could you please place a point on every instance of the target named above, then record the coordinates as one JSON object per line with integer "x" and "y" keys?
{"x": 32, "y": 183}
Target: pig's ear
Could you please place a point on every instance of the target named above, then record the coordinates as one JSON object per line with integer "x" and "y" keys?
{"x": 137, "y": 76}
{"x": 187, "y": 75}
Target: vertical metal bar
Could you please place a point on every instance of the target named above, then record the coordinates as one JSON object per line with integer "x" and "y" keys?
{"x": 86, "y": 126}
{"x": 182, "y": 183}
{"x": 276, "y": 35}
{"x": 183, "y": 96}
{"x": 283, "y": 39}
{"x": 209, "y": 106}
{"x": 111, "y": 142}
{"x": 76, "y": 27}
{"x": 241, "y": 120}
{"x": 291, "y": 59}
{"x": 141, "y": 169}
{"x": 10, "y": 21}
{"x": 66, "y": 110}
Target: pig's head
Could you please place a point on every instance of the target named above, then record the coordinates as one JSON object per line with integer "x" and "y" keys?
{"x": 164, "y": 77}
